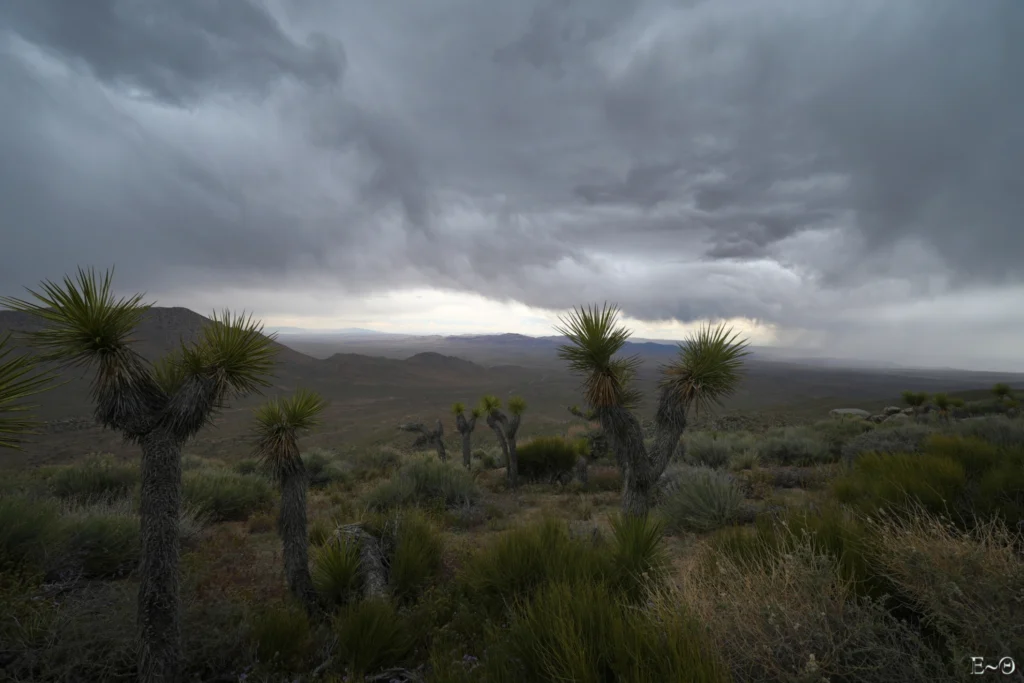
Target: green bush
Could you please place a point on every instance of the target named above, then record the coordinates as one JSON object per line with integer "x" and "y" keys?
{"x": 999, "y": 431}
{"x": 517, "y": 562}
{"x": 282, "y": 637}
{"x": 320, "y": 531}
{"x": 98, "y": 541}
{"x": 27, "y": 527}
{"x": 336, "y": 574}
{"x": 707, "y": 450}
{"x": 901, "y": 438}
{"x": 324, "y": 467}
{"x": 793, "y": 446}
{"x": 701, "y": 499}
{"x": 366, "y": 465}
{"x": 486, "y": 459}
{"x": 424, "y": 481}
{"x": 416, "y": 561}
{"x": 98, "y": 478}
{"x": 546, "y": 457}
{"x": 897, "y": 480}
{"x": 372, "y": 635}
{"x": 227, "y": 496}
{"x": 580, "y": 631}
{"x": 604, "y": 479}
{"x": 247, "y": 466}
{"x": 639, "y": 558}
{"x": 193, "y": 462}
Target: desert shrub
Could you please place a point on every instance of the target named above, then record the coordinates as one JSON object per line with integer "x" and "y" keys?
{"x": 191, "y": 524}
{"x": 901, "y": 438}
{"x": 98, "y": 541}
{"x": 336, "y": 575}
{"x": 27, "y": 527}
{"x": 793, "y": 446}
{"x": 372, "y": 635}
{"x": 190, "y": 461}
{"x": 604, "y": 478}
{"x": 837, "y": 433}
{"x": 417, "y": 555}
{"x": 639, "y": 558}
{"x": 262, "y": 523}
{"x": 374, "y": 464}
{"x": 707, "y": 450}
{"x": 518, "y": 561}
{"x": 744, "y": 460}
{"x": 486, "y": 459}
{"x": 247, "y": 466}
{"x": 967, "y": 583}
{"x": 999, "y": 431}
{"x": 794, "y": 616}
{"x": 423, "y": 481}
{"x": 893, "y": 481}
{"x": 324, "y": 467}
{"x": 227, "y": 496}
{"x": 701, "y": 499}
{"x": 546, "y": 457}
{"x": 320, "y": 531}
{"x": 281, "y": 636}
{"x": 581, "y": 632}
{"x": 99, "y": 478}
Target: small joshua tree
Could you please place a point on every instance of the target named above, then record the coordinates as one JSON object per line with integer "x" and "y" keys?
{"x": 943, "y": 403}
{"x": 428, "y": 437}
{"x": 1002, "y": 392}
{"x": 707, "y": 369}
{"x": 157, "y": 407}
{"x": 505, "y": 429}
{"x": 466, "y": 426}
{"x": 20, "y": 378}
{"x": 915, "y": 399}
{"x": 278, "y": 423}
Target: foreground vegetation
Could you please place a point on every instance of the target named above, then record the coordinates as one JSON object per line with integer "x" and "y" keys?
{"x": 827, "y": 552}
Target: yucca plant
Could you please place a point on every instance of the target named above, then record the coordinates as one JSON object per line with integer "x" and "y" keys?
{"x": 707, "y": 369}
{"x": 20, "y": 378}
{"x": 466, "y": 426}
{"x": 278, "y": 423}
{"x": 428, "y": 437}
{"x": 157, "y": 407}
{"x": 942, "y": 403}
{"x": 915, "y": 399}
{"x": 505, "y": 428}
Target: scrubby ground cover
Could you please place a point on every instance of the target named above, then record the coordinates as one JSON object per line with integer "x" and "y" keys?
{"x": 833, "y": 551}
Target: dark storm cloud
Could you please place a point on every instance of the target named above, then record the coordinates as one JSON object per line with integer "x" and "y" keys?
{"x": 176, "y": 51}
{"x": 686, "y": 159}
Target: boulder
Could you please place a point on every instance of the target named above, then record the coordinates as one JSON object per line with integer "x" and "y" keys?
{"x": 908, "y": 411}
{"x": 877, "y": 418}
{"x": 849, "y": 412}
{"x": 891, "y": 410}
{"x": 898, "y": 417}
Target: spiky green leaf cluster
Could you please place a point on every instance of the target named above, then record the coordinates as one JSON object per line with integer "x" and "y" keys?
{"x": 86, "y": 321}
{"x": 278, "y": 422}
{"x": 708, "y": 367}
{"x": 458, "y": 408}
{"x": 517, "y": 405}
{"x": 20, "y": 378}
{"x": 490, "y": 404}
{"x": 235, "y": 349}
{"x": 594, "y": 338}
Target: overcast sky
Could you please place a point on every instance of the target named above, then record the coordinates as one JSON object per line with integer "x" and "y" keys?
{"x": 845, "y": 175}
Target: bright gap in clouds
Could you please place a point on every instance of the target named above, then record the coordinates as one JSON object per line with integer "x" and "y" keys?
{"x": 439, "y": 312}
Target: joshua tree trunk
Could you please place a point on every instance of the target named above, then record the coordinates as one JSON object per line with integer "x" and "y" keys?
{"x": 291, "y": 525}
{"x": 442, "y": 452}
{"x": 511, "y": 427}
{"x": 159, "y": 610}
{"x": 642, "y": 467}
{"x": 495, "y": 426}
{"x": 466, "y": 428}
{"x": 428, "y": 438}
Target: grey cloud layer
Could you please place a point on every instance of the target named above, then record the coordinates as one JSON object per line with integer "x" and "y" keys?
{"x": 735, "y": 157}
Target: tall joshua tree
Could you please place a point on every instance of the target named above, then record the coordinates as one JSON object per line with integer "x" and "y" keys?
{"x": 707, "y": 369}
{"x": 428, "y": 437}
{"x": 157, "y": 407}
{"x": 278, "y": 423}
{"x": 20, "y": 378}
{"x": 505, "y": 428}
{"x": 466, "y": 426}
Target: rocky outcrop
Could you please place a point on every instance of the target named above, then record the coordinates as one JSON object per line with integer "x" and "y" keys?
{"x": 849, "y": 412}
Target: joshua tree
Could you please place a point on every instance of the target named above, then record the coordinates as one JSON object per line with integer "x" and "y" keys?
{"x": 505, "y": 429}
{"x": 427, "y": 437}
{"x": 159, "y": 408}
{"x": 20, "y": 378}
{"x": 596, "y": 440}
{"x": 278, "y": 423}
{"x": 943, "y": 403}
{"x": 1002, "y": 392}
{"x": 915, "y": 400}
{"x": 466, "y": 427}
{"x": 707, "y": 369}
